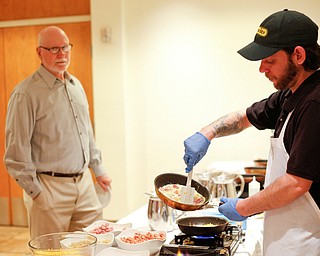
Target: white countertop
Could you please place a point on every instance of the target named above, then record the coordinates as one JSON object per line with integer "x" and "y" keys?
{"x": 253, "y": 228}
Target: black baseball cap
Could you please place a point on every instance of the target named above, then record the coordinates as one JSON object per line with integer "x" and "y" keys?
{"x": 283, "y": 29}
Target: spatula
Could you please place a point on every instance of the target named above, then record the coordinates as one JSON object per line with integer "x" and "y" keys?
{"x": 187, "y": 192}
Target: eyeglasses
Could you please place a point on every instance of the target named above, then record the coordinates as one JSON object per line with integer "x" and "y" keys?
{"x": 56, "y": 50}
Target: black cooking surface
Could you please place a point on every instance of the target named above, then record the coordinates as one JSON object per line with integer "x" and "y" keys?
{"x": 194, "y": 250}
{"x": 225, "y": 243}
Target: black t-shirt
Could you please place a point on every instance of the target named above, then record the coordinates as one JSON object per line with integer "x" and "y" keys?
{"x": 302, "y": 135}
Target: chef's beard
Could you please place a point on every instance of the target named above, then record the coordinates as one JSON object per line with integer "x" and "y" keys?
{"x": 289, "y": 78}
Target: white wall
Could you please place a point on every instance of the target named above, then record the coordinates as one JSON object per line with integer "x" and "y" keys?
{"x": 171, "y": 68}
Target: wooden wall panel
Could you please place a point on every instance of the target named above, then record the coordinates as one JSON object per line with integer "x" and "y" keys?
{"x": 20, "y": 55}
{"x": 5, "y": 178}
{"x": 4, "y": 192}
{"x": 32, "y": 9}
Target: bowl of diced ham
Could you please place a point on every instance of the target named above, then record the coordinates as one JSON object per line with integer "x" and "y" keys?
{"x": 137, "y": 240}
{"x": 103, "y": 227}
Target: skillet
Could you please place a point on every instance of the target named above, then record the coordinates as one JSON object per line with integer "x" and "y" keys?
{"x": 173, "y": 178}
{"x": 202, "y": 226}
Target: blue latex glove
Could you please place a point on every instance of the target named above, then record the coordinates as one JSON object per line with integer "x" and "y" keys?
{"x": 196, "y": 147}
{"x": 228, "y": 209}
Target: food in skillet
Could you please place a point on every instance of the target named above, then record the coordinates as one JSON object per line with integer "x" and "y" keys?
{"x": 173, "y": 192}
{"x": 207, "y": 225}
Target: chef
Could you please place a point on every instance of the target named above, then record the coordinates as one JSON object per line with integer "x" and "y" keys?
{"x": 286, "y": 44}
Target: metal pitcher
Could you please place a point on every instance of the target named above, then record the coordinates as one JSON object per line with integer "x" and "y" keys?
{"x": 206, "y": 179}
{"x": 225, "y": 185}
{"x": 160, "y": 216}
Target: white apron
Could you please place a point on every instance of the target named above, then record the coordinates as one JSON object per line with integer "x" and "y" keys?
{"x": 292, "y": 230}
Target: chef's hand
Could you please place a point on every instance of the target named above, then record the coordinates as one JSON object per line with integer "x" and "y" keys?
{"x": 196, "y": 147}
{"x": 228, "y": 208}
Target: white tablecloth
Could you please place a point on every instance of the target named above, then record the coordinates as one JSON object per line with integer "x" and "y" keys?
{"x": 253, "y": 229}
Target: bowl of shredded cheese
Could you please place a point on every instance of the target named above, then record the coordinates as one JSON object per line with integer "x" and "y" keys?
{"x": 64, "y": 243}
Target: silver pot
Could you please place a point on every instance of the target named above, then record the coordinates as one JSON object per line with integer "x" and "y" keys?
{"x": 160, "y": 216}
{"x": 222, "y": 184}
{"x": 225, "y": 185}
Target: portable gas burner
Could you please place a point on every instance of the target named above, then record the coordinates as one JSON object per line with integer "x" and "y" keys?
{"x": 224, "y": 243}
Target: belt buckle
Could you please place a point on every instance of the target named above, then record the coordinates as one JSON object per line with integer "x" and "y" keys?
{"x": 79, "y": 174}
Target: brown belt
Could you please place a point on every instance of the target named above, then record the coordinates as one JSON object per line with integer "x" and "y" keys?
{"x": 63, "y": 175}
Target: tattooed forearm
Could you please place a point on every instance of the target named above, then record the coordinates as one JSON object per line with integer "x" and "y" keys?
{"x": 228, "y": 125}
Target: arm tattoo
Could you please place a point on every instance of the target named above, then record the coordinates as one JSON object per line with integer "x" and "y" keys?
{"x": 228, "y": 125}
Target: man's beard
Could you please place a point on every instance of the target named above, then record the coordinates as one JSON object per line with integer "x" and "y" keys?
{"x": 289, "y": 77}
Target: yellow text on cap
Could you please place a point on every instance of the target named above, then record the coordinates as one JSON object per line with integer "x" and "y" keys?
{"x": 262, "y": 31}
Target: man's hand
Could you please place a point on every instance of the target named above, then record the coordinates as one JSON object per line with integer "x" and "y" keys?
{"x": 105, "y": 182}
{"x": 196, "y": 147}
{"x": 228, "y": 208}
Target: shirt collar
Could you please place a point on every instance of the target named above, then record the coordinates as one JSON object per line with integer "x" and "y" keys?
{"x": 293, "y": 99}
{"x": 50, "y": 79}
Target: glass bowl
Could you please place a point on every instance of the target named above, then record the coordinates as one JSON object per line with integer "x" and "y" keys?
{"x": 64, "y": 243}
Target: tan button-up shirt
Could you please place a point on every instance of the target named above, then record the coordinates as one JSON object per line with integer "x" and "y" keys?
{"x": 48, "y": 129}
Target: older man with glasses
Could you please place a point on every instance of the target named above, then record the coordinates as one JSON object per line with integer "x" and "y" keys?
{"x": 50, "y": 144}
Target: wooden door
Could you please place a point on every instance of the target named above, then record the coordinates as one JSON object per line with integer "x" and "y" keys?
{"x": 4, "y": 180}
{"x": 20, "y": 60}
